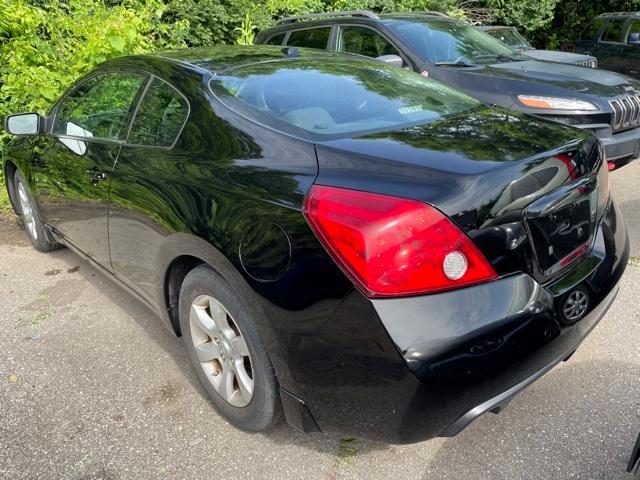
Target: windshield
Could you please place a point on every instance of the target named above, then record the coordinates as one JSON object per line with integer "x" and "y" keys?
{"x": 511, "y": 37}
{"x": 331, "y": 98}
{"x": 446, "y": 41}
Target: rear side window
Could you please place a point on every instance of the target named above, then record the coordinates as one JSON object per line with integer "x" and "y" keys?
{"x": 593, "y": 29}
{"x": 310, "y": 38}
{"x": 160, "y": 116}
{"x": 364, "y": 41}
{"x": 633, "y": 33}
{"x": 275, "y": 40}
{"x": 612, "y": 31}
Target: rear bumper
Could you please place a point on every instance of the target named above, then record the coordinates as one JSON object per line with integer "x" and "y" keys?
{"x": 499, "y": 401}
{"x": 405, "y": 370}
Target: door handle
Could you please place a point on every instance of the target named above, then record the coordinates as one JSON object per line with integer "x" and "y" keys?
{"x": 97, "y": 176}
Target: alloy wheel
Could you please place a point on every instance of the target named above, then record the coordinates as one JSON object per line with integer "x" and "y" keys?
{"x": 27, "y": 211}
{"x": 575, "y": 305}
{"x": 221, "y": 350}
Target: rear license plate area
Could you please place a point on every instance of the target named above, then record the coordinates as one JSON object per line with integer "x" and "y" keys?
{"x": 561, "y": 225}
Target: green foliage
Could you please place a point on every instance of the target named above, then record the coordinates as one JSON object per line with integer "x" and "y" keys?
{"x": 45, "y": 48}
{"x": 4, "y": 198}
{"x": 528, "y": 15}
{"x": 246, "y": 32}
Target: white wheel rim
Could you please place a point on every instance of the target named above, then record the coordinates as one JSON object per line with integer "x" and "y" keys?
{"x": 221, "y": 350}
{"x": 27, "y": 211}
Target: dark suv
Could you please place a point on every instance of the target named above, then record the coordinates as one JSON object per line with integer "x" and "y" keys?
{"x": 466, "y": 58}
{"x": 614, "y": 38}
{"x": 512, "y": 37}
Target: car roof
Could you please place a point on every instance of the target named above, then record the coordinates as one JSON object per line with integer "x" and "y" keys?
{"x": 217, "y": 59}
{"x": 382, "y": 19}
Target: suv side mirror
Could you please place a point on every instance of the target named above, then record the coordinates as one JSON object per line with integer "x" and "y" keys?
{"x": 393, "y": 60}
{"x": 24, "y": 124}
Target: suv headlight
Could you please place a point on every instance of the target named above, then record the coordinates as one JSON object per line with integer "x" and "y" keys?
{"x": 555, "y": 103}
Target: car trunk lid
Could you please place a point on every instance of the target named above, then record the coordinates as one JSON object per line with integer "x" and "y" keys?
{"x": 505, "y": 179}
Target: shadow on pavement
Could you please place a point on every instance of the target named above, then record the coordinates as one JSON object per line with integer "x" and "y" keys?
{"x": 579, "y": 421}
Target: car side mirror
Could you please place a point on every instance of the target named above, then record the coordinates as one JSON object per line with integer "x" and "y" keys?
{"x": 393, "y": 60}
{"x": 24, "y": 124}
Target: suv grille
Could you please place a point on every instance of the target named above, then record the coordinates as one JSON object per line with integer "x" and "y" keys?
{"x": 626, "y": 112}
{"x": 589, "y": 63}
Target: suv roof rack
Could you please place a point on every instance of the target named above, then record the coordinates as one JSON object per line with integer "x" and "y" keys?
{"x": 313, "y": 16}
{"x": 619, "y": 14}
{"x": 432, "y": 13}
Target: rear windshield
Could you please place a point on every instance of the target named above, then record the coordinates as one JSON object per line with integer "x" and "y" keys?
{"x": 331, "y": 98}
{"x": 445, "y": 41}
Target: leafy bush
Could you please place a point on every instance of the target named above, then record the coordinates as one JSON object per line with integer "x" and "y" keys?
{"x": 43, "y": 49}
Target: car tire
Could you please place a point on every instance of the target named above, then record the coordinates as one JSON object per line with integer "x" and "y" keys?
{"x": 229, "y": 346}
{"x": 27, "y": 208}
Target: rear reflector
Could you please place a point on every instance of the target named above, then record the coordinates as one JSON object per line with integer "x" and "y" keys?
{"x": 392, "y": 246}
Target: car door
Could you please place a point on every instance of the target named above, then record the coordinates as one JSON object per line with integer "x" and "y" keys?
{"x": 144, "y": 204}
{"x": 73, "y": 164}
{"x": 610, "y": 46}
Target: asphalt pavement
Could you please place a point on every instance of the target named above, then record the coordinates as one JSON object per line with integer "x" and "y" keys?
{"x": 93, "y": 387}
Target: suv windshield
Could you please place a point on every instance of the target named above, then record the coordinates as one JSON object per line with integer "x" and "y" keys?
{"x": 301, "y": 96}
{"x": 511, "y": 37}
{"x": 442, "y": 41}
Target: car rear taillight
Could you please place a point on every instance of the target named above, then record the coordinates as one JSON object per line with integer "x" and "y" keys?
{"x": 392, "y": 246}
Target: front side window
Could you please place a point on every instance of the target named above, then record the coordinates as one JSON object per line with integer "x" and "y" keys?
{"x": 446, "y": 41}
{"x": 98, "y": 107}
{"x": 364, "y": 41}
{"x": 633, "y": 33}
{"x": 613, "y": 31}
{"x": 371, "y": 99}
{"x": 160, "y": 116}
{"x": 310, "y": 38}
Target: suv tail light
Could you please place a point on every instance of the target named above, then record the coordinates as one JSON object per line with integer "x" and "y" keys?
{"x": 392, "y": 246}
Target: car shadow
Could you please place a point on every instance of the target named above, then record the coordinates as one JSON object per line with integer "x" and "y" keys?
{"x": 579, "y": 421}
{"x": 153, "y": 327}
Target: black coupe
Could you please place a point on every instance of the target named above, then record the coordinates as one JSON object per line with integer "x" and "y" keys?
{"x": 340, "y": 242}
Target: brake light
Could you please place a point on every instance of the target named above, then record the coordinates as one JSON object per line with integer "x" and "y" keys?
{"x": 392, "y": 246}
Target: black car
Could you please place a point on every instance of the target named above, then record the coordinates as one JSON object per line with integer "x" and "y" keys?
{"x": 634, "y": 460}
{"x": 614, "y": 38}
{"x": 387, "y": 257}
{"x": 512, "y": 38}
{"x": 463, "y": 57}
